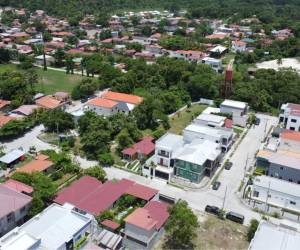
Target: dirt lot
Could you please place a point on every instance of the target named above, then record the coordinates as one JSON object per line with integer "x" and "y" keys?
{"x": 216, "y": 234}
{"x": 286, "y": 63}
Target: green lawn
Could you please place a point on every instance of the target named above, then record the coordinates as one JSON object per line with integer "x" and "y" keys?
{"x": 50, "y": 81}
{"x": 184, "y": 118}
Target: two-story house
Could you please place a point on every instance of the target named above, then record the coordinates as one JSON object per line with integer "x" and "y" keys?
{"x": 144, "y": 226}
{"x": 14, "y": 206}
{"x": 220, "y": 135}
{"x": 290, "y": 116}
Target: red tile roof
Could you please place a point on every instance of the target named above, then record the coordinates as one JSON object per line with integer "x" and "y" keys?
{"x": 101, "y": 102}
{"x": 110, "y": 224}
{"x": 92, "y": 196}
{"x": 39, "y": 164}
{"x": 290, "y": 135}
{"x": 3, "y": 103}
{"x": 5, "y": 119}
{"x": 154, "y": 214}
{"x": 141, "y": 191}
{"x": 48, "y": 102}
{"x": 145, "y": 147}
{"x": 228, "y": 123}
{"x": 121, "y": 97}
{"x": 18, "y": 186}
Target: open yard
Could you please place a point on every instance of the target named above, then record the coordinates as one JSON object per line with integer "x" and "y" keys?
{"x": 179, "y": 121}
{"x": 50, "y": 81}
{"x": 216, "y": 234}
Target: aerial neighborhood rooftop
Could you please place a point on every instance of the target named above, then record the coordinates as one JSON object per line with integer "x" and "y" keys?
{"x": 129, "y": 127}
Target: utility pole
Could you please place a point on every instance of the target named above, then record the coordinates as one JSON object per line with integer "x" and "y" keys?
{"x": 266, "y": 205}
{"x": 224, "y": 198}
{"x": 44, "y": 55}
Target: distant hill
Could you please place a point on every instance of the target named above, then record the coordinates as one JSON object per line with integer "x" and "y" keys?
{"x": 268, "y": 10}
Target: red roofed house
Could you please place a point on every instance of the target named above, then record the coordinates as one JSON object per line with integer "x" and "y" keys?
{"x": 141, "y": 150}
{"x": 90, "y": 195}
{"x": 19, "y": 186}
{"x": 102, "y": 106}
{"x": 49, "y": 102}
{"x": 4, "y": 119}
{"x": 121, "y": 97}
{"x": 3, "y": 104}
{"x": 41, "y": 163}
{"x": 238, "y": 46}
{"x": 145, "y": 225}
{"x": 14, "y": 207}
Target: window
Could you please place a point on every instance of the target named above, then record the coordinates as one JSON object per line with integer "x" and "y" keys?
{"x": 290, "y": 180}
{"x": 292, "y": 128}
{"x": 292, "y": 202}
{"x": 293, "y": 120}
{"x": 255, "y": 194}
{"x": 281, "y": 168}
{"x": 22, "y": 210}
{"x": 9, "y": 217}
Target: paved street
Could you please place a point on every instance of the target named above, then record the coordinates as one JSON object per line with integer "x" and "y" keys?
{"x": 197, "y": 198}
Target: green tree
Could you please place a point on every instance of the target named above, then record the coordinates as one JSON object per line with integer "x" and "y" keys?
{"x": 36, "y": 206}
{"x": 57, "y": 120}
{"x": 106, "y": 159}
{"x": 59, "y": 57}
{"x": 181, "y": 226}
{"x": 96, "y": 172}
{"x": 252, "y": 229}
{"x": 124, "y": 140}
{"x": 4, "y": 56}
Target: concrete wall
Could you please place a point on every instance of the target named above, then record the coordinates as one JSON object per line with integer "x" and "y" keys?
{"x": 138, "y": 233}
{"x": 295, "y": 125}
{"x": 285, "y": 173}
{"x": 18, "y": 216}
{"x": 276, "y": 198}
{"x": 101, "y": 110}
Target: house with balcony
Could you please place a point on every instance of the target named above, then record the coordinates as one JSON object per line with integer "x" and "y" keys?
{"x": 163, "y": 160}
{"x": 290, "y": 116}
{"x": 216, "y": 64}
{"x": 197, "y": 159}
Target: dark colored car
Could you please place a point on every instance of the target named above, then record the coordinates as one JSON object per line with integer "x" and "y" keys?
{"x": 228, "y": 165}
{"x": 212, "y": 209}
{"x": 257, "y": 121}
{"x": 216, "y": 185}
{"x": 238, "y": 218}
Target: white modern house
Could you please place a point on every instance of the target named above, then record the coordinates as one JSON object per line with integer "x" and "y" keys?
{"x": 216, "y": 64}
{"x": 102, "y": 106}
{"x": 165, "y": 149}
{"x": 57, "y": 227}
{"x": 290, "y": 116}
{"x": 239, "y": 111}
{"x": 275, "y": 237}
{"x": 210, "y": 120}
{"x": 220, "y": 135}
{"x": 276, "y": 192}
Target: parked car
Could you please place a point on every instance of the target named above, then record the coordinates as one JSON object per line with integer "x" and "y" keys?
{"x": 212, "y": 209}
{"x": 239, "y": 218}
{"x": 216, "y": 185}
{"x": 228, "y": 165}
{"x": 257, "y": 121}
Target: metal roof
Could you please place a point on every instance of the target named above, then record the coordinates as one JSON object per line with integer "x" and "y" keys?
{"x": 12, "y": 156}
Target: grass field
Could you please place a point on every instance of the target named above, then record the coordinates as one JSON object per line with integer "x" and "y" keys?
{"x": 179, "y": 121}
{"x": 50, "y": 81}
